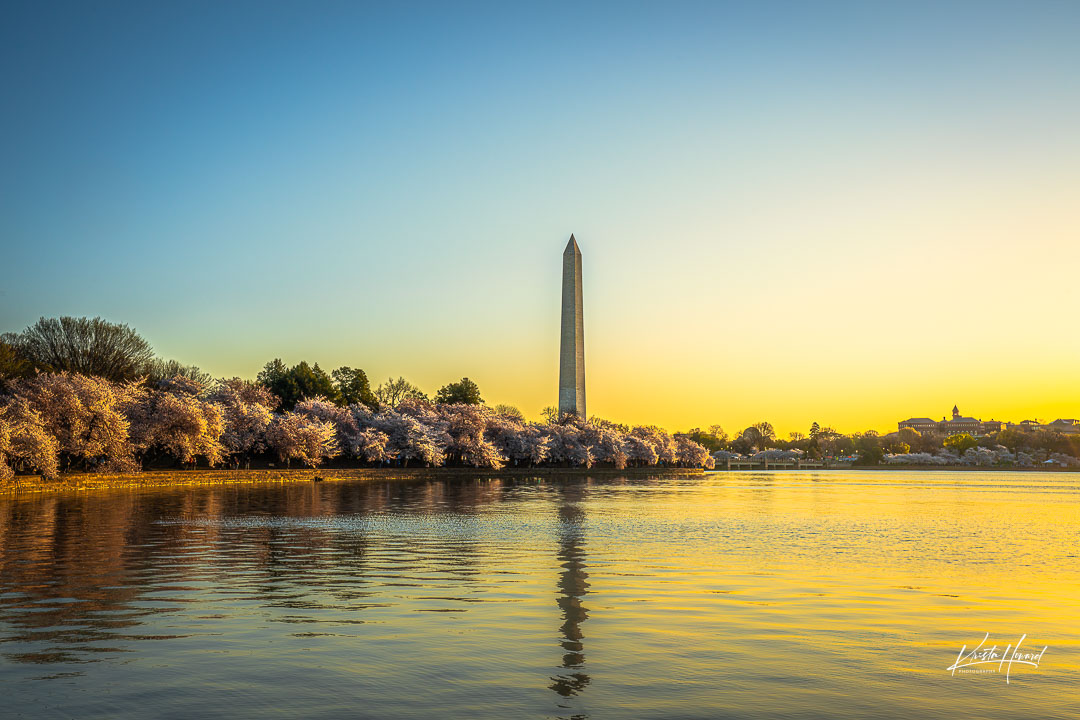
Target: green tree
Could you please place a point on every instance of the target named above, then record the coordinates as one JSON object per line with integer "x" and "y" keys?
{"x": 300, "y": 382}
{"x": 833, "y": 444}
{"x": 353, "y": 387}
{"x": 12, "y": 366}
{"x": 276, "y": 378}
{"x": 917, "y": 441}
{"x": 465, "y": 391}
{"x": 712, "y": 439}
{"x": 1013, "y": 439}
{"x": 868, "y": 446}
{"x": 312, "y": 381}
{"x": 911, "y": 436}
{"x": 960, "y": 443}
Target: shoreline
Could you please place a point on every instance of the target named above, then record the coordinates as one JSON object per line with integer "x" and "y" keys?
{"x": 897, "y": 468}
{"x": 89, "y": 482}
{"x": 92, "y": 482}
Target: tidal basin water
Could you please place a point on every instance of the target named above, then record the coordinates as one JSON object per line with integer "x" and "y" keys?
{"x": 733, "y": 595}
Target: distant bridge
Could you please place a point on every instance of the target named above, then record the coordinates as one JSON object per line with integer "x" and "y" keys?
{"x": 751, "y": 464}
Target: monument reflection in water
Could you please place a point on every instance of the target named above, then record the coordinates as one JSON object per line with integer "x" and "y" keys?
{"x": 572, "y": 589}
{"x": 746, "y": 595}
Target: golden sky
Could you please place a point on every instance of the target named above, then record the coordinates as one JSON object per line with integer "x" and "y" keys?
{"x": 849, "y": 215}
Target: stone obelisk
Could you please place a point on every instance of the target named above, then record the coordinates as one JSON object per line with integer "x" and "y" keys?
{"x": 572, "y": 349}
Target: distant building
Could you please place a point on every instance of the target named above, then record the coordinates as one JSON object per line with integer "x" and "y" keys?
{"x": 958, "y": 424}
{"x": 1027, "y": 425}
{"x": 1068, "y": 426}
{"x": 920, "y": 424}
{"x": 962, "y": 424}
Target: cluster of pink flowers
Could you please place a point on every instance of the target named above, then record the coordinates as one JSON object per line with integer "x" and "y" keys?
{"x": 65, "y": 421}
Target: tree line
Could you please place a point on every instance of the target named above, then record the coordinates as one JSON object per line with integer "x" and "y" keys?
{"x": 1010, "y": 446}
{"x": 85, "y": 394}
{"x": 79, "y": 393}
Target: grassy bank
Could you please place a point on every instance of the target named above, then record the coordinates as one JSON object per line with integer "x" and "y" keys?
{"x": 167, "y": 478}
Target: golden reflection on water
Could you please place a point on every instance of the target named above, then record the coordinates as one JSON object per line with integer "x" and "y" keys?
{"x": 734, "y": 595}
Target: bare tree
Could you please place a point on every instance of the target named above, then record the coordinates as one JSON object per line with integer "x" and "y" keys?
{"x": 160, "y": 370}
{"x": 81, "y": 345}
{"x": 509, "y": 411}
{"x": 392, "y": 392}
{"x": 765, "y": 433}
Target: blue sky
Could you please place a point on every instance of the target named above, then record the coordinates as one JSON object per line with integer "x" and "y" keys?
{"x": 391, "y": 188}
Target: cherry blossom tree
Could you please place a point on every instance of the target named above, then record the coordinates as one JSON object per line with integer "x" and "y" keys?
{"x": 691, "y": 454}
{"x": 465, "y": 424}
{"x": 407, "y": 437}
{"x": 427, "y": 435}
{"x": 246, "y": 412}
{"x": 605, "y": 441}
{"x": 425, "y": 411}
{"x": 566, "y": 446}
{"x": 661, "y": 443}
{"x": 639, "y": 451}
{"x": 70, "y": 420}
{"x": 25, "y": 441}
{"x": 536, "y": 444}
{"x": 6, "y": 471}
{"x": 302, "y": 437}
{"x": 173, "y": 421}
{"x": 85, "y": 416}
{"x": 519, "y": 442}
{"x": 346, "y": 428}
{"x": 370, "y": 445}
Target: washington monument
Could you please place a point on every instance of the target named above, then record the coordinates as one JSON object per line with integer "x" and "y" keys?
{"x": 572, "y": 349}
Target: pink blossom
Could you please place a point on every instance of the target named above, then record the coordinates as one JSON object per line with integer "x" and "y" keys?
{"x": 302, "y": 437}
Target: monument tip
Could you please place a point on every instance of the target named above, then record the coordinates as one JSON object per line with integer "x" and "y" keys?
{"x": 572, "y": 245}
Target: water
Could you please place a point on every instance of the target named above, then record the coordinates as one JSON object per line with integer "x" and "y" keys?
{"x": 736, "y": 595}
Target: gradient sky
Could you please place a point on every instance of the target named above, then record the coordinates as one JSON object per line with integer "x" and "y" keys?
{"x": 849, "y": 213}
